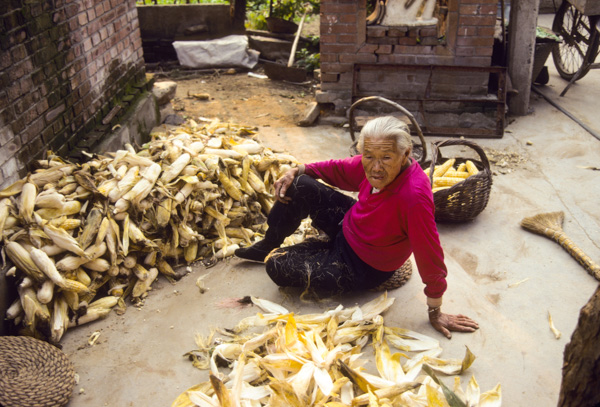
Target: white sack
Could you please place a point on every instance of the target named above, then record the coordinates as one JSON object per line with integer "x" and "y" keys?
{"x": 230, "y": 51}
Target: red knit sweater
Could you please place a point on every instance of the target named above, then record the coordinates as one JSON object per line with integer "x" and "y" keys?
{"x": 384, "y": 228}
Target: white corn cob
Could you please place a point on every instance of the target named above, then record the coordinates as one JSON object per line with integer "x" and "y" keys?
{"x": 27, "y": 201}
{"x": 45, "y": 292}
{"x": 46, "y": 264}
{"x": 63, "y": 239}
{"x": 175, "y": 168}
{"x": 124, "y": 185}
{"x": 22, "y": 259}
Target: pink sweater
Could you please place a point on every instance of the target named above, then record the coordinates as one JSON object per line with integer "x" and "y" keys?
{"x": 384, "y": 228}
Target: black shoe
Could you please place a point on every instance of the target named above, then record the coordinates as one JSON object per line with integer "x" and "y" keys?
{"x": 257, "y": 252}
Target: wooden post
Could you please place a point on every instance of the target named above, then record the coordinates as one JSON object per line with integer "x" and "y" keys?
{"x": 237, "y": 11}
{"x": 522, "y": 27}
{"x": 581, "y": 377}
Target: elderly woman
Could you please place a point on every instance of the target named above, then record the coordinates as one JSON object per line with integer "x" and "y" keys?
{"x": 369, "y": 238}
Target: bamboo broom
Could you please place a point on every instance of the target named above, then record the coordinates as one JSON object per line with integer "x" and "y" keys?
{"x": 550, "y": 225}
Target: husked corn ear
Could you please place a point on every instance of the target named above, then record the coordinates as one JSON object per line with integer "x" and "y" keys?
{"x": 22, "y": 259}
{"x": 471, "y": 168}
{"x": 446, "y": 181}
{"x": 441, "y": 170}
{"x": 434, "y": 190}
{"x": 462, "y": 167}
{"x": 100, "y": 265}
{"x": 69, "y": 224}
{"x": 456, "y": 174}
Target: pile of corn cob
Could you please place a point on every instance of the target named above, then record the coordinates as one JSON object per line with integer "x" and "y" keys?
{"x": 445, "y": 175}
{"x": 84, "y": 237}
{"x": 317, "y": 360}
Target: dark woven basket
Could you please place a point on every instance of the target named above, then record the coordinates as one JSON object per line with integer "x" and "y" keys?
{"x": 33, "y": 373}
{"x": 398, "y": 279}
{"x": 463, "y": 201}
{"x": 419, "y": 152}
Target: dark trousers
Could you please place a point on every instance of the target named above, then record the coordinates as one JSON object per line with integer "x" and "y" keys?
{"x": 328, "y": 267}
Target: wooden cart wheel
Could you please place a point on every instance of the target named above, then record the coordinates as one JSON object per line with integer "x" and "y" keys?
{"x": 419, "y": 151}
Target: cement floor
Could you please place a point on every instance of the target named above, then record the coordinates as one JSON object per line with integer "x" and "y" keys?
{"x": 138, "y": 359}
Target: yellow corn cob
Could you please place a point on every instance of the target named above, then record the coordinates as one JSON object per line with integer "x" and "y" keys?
{"x": 27, "y": 201}
{"x": 456, "y": 174}
{"x": 471, "y": 168}
{"x": 446, "y": 181}
{"x": 22, "y": 260}
{"x": 105, "y": 302}
{"x": 63, "y": 239}
{"x": 441, "y": 170}
{"x": 439, "y": 189}
{"x": 69, "y": 224}
{"x": 190, "y": 252}
{"x": 107, "y": 186}
{"x": 462, "y": 167}
{"x": 83, "y": 277}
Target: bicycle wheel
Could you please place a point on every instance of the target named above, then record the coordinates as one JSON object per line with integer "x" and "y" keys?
{"x": 576, "y": 31}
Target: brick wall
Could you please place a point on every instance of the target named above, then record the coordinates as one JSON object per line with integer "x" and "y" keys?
{"x": 463, "y": 38}
{"x": 66, "y": 67}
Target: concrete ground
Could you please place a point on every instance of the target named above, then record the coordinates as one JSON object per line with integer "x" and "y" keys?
{"x": 138, "y": 359}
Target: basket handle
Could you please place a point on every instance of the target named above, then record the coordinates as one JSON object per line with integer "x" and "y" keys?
{"x": 397, "y": 106}
{"x": 435, "y": 147}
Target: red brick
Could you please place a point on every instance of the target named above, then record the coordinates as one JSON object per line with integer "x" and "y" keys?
{"x": 329, "y": 77}
{"x": 376, "y": 32}
{"x": 477, "y": 20}
{"x": 338, "y": 8}
{"x": 469, "y": 30}
{"x": 486, "y": 31}
{"x": 346, "y": 38}
{"x": 407, "y": 41}
{"x": 475, "y": 41}
{"x": 466, "y": 9}
{"x": 384, "y": 49}
{"x": 337, "y": 48}
{"x": 336, "y": 68}
{"x": 347, "y": 18}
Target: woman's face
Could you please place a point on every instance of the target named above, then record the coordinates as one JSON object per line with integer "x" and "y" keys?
{"x": 382, "y": 160}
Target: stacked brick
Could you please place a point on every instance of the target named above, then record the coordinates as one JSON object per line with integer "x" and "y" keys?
{"x": 465, "y": 39}
{"x": 65, "y": 65}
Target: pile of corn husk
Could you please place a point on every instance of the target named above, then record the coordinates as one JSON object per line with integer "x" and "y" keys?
{"x": 84, "y": 237}
{"x": 317, "y": 360}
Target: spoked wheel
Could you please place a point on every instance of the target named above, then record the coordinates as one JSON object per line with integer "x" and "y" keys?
{"x": 578, "y": 48}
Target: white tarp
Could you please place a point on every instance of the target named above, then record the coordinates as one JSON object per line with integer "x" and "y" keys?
{"x": 230, "y": 51}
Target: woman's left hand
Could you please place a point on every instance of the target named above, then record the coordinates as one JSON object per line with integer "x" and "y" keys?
{"x": 445, "y": 323}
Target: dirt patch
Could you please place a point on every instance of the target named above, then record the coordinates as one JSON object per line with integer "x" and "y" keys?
{"x": 239, "y": 97}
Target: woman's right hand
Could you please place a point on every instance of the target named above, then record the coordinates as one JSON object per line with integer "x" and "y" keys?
{"x": 282, "y": 184}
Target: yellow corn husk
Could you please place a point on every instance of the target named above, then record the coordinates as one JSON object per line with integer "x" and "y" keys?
{"x": 471, "y": 167}
{"x": 137, "y": 236}
{"x": 71, "y": 263}
{"x": 131, "y": 178}
{"x": 90, "y": 229}
{"x": 141, "y": 287}
{"x": 104, "y": 302}
{"x": 22, "y": 260}
{"x": 59, "y": 321}
{"x": 185, "y": 192}
{"x": 140, "y": 272}
{"x": 456, "y": 174}
{"x": 441, "y": 170}
{"x": 229, "y": 187}
{"x": 27, "y": 201}
{"x": 165, "y": 268}
{"x": 68, "y": 208}
{"x": 102, "y": 231}
{"x": 45, "y": 292}
{"x": 33, "y": 309}
{"x": 446, "y": 181}
{"x": 69, "y": 188}
{"x": 163, "y": 212}
{"x": 209, "y": 210}
{"x": 52, "y": 250}
{"x": 150, "y": 258}
{"x": 175, "y": 168}
{"x": 100, "y": 265}
{"x": 5, "y": 206}
{"x": 256, "y": 183}
{"x": 52, "y": 200}
{"x": 13, "y": 189}
{"x": 52, "y": 175}
{"x": 63, "y": 239}
{"x": 140, "y": 190}
{"x": 46, "y": 265}
{"x": 133, "y": 159}
{"x": 190, "y": 252}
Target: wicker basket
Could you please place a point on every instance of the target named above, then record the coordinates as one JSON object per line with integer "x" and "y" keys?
{"x": 398, "y": 279}
{"x": 419, "y": 152}
{"x": 33, "y": 373}
{"x": 463, "y": 201}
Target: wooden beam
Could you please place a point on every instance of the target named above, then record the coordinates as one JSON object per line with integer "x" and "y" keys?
{"x": 523, "y": 23}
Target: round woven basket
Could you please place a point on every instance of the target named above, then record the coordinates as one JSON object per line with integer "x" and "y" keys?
{"x": 398, "y": 279}
{"x": 463, "y": 201}
{"x": 33, "y": 373}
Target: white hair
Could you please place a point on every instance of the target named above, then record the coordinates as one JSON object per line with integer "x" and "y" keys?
{"x": 386, "y": 127}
